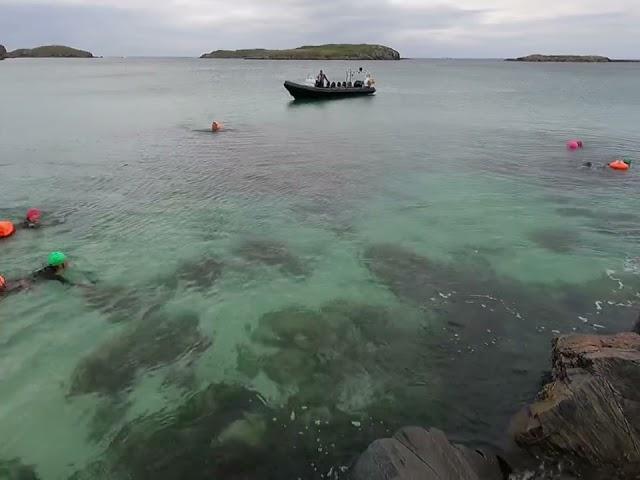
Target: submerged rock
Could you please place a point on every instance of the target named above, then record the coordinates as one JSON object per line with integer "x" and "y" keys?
{"x": 406, "y": 273}
{"x": 416, "y": 453}
{"x": 159, "y": 338}
{"x": 591, "y": 411}
{"x": 558, "y": 240}
{"x": 201, "y": 274}
{"x": 119, "y": 304}
{"x": 346, "y": 354}
{"x": 230, "y": 432}
{"x": 274, "y": 254}
{"x": 183, "y": 443}
{"x": 15, "y": 470}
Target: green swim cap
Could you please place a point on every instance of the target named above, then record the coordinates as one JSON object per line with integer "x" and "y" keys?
{"x": 56, "y": 259}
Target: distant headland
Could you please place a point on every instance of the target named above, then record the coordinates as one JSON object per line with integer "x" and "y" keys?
{"x": 47, "y": 51}
{"x": 340, "y": 51}
{"x": 567, "y": 59}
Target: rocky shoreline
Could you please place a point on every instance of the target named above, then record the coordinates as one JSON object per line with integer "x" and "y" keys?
{"x": 585, "y": 423}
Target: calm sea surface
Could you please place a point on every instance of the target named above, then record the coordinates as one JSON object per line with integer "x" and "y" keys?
{"x": 271, "y": 298}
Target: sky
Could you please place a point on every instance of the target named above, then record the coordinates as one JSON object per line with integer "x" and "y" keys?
{"x": 416, "y": 28}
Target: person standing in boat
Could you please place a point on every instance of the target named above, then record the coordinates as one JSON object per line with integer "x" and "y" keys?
{"x": 321, "y": 79}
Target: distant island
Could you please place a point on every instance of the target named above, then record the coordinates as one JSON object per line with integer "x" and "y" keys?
{"x": 3, "y": 52}
{"x": 566, "y": 58}
{"x": 47, "y": 51}
{"x": 340, "y": 51}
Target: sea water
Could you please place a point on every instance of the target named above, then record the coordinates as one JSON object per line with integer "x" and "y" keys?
{"x": 271, "y": 298}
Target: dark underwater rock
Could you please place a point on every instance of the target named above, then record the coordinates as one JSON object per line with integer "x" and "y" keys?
{"x": 415, "y": 453}
{"x": 201, "y": 274}
{"x": 159, "y": 338}
{"x": 272, "y": 253}
{"x": 406, "y": 273}
{"x": 558, "y": 240}
{"x": 591, "y": 411}
{"x": 14, "y": 469}
{"x": 119, "y": 304}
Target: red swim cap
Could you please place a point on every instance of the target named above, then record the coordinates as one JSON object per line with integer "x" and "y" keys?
{"x": 33, "y": 214}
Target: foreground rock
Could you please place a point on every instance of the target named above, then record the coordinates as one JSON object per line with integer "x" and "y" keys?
{"x": 591, "y": 411}
{"x": 313, "y": 52}
{"x": 52, "y": 51}
{"x": 416, "y": 453}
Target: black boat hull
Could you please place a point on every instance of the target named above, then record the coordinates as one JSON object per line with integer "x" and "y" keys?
{"x": 305, "y": 92}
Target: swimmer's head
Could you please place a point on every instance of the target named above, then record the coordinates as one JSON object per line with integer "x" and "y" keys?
{"x": 33, "y": 215}
{"x": 3, "y": 283}
{"x": 57, "y": 260}
{"x": 588, "y": 164}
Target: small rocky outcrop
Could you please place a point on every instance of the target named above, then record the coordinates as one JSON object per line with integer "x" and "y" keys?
{"x": 3, "y": 52}
{"x": 561, "y": 58}
{"x": 591, "y": 411}
{"x": 416, "y": 453}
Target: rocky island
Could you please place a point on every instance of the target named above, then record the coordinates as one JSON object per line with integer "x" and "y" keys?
{"x": 3, "y": 52}
{"x": 313, "y": 52}
{"x": 566, "y": 59}
{"x": 48, "y": 51}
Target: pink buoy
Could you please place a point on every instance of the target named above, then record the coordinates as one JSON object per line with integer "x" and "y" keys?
{"x": 573, "y": 144}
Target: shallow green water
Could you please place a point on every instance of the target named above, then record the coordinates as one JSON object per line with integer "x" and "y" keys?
{"x": 363, "y": 264}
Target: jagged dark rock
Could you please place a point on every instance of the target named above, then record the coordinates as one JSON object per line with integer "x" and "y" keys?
{"x": 590, "y": 413}
{"x": 3, "y": 52}
{"x": 416, "y": 453}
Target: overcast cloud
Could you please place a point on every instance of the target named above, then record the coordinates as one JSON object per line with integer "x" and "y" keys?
{"x": 417, "y": 28}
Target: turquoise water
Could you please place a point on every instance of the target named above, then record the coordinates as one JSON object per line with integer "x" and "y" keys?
{"x": 271, "y": 298}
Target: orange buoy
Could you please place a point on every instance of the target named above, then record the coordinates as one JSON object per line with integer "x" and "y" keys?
{"x": 6, "y": 228}
{"x": 619, "y": 165}
{"x": 216, "y": 126}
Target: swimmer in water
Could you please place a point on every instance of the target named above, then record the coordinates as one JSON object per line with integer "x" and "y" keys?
{"x": 7, "y": 287}
{"x": 591, "y": 165}
{"x": 32, "y": 220}
{"x": 56, "y": 265}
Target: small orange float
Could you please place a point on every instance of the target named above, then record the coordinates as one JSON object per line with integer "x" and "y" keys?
{"x": 619, "y": 165}
{"x": 6, "y": 228}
